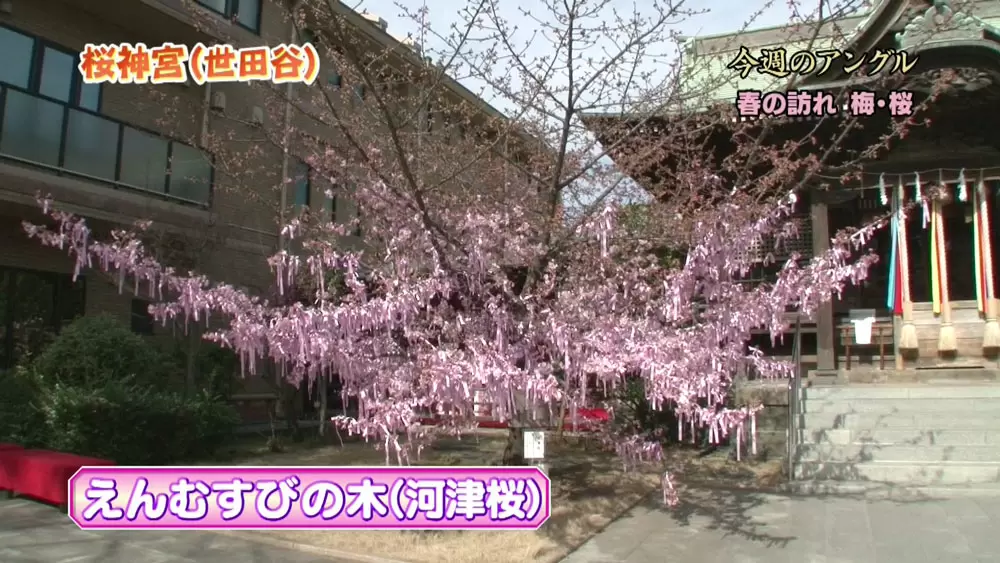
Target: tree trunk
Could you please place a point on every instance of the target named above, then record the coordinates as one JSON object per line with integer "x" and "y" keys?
{"x": 191, "y": 368}
{"x": 291, "y": 402}
{"x": 272, "y": 406}
{"x": 521, "y": 418}
{"x": 513, "y": 453}
{"x": 324, "y": 389}
{"x": 272, "y": 420}
{"x": 561, "y": 423}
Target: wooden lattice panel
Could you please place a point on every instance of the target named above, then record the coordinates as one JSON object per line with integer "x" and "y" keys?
{"x": 801, "y": 243}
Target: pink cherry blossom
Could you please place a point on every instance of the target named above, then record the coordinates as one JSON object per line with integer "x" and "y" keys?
{"x": 437, "y": 323}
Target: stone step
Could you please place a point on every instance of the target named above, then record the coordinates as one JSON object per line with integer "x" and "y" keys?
{"x": 956, "y": 306}
{"x": 901, "y": 436}
{"x": 909, "y": 420}
{"x": 928, "y": 405}
{"x": 946, "y": 372}
{"x": 874, "y": 392}
{"x": 873, "y": 490}
{"x": 900, "y": 453}
{"x": 908, "y": 472}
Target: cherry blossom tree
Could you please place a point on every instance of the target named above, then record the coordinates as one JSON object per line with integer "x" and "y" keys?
{"x": 495, "y": 259}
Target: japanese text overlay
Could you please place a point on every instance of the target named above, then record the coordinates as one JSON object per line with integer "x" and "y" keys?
{"x": 779, "y": 63}
{"x": 227, "y": 498}
{"x": 127, "y": 63}
{"x": 752, "y": 104}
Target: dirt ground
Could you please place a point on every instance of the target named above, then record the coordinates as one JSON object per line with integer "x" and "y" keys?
{"x": 589, "y": 490}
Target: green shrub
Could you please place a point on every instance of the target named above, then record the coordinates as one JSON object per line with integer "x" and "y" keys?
{"x": 93, "y": 350}
{"x": 216, "y": 367}
{"x": 100, "y": 390}
{"x": 633, "y": 413}
{"x": 215, "y": 422}
{"x": 133, "y": 425}
{"x": 21, "y": 422}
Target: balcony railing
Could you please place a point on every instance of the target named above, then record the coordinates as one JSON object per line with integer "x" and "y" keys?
{"x": 77, "y": 142}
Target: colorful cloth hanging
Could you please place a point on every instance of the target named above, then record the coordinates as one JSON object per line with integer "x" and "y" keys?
{"x": 977, "y": 251}
{"x": 894, "y": 298}
{"x": 897, "y": 304}
{"x": 935, "y": 268}
{"x": 908, "y": 332}
{"x": 983, "y": 247}
{"x": 991, "y": 331}
{"x": 947, "y": 338}
{"x": 918, "y": 191}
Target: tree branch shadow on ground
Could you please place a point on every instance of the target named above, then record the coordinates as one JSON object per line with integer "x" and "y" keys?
{"x": 587, "y": 495}
{"x": 750, "y": 514}
{"x": 741, "y": 499}
{"x": 38, "y": 532}
{"x": 731, "y": 497}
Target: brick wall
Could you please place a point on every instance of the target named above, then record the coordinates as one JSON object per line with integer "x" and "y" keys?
{"x": 234, "y": 237}
{"x": 244, "y": 212}
{"x": 18, "y": 251}
{"x": 239, "y": 230}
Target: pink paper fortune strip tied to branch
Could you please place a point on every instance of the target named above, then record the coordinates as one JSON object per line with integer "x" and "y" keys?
{"x": 258, "y": 498}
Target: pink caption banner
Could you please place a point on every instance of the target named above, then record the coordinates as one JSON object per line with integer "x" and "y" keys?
{"x": 308, "y": 498}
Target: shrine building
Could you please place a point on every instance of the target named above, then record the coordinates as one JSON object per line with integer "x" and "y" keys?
{"x": 931, "y": 303}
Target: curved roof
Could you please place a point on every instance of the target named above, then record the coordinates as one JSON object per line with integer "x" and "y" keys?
{"x": 943, "y": 37}
{"x": 883, "y": 15}
{"x": 911, "y": 24}
{"x": 939, "y": 35}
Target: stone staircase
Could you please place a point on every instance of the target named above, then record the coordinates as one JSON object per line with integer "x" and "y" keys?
{"x": 915, "y": 434}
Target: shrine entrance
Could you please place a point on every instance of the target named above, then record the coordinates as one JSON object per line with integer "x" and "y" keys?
{"x": 936, "y": 275}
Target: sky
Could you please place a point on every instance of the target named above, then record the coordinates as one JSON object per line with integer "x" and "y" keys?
{"x": 714, "y": 17}
{"x": 721, "y": 16}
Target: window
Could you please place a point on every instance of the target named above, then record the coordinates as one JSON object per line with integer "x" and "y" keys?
{"x": 32, "y": 128}
{"x": 33, "y": 307}
{"x": 359, "y": 93}
{"x": 36, "y": 115}
{"x": 50, "y": 117}
{"x": 335, "y": 80}
{"x": 19, "y": 49}
{"x": 426, "y": 119}
{"x": 301, "y": 183}
{"x": 353, "y": 188}
{"x": 144, "y": 160}
{"x": 90, "y": 145}
{"x": 190, "y": 174}
{"x": 46, "y": 70}
{"x": 330, "y": 205}
{"x": 246, "y": 13}
{"x": 90, "y": 97}
{"x": 141, "y": 321}
{"x": 57, "y": 72}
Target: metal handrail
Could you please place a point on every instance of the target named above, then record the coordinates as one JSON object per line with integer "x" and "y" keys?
{"x": 116, "y": 148}
{"x": 794, "y": 388}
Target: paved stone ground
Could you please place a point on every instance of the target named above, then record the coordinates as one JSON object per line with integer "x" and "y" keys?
{"x": 742, "y": 527}
{"x": 31, "y": 532}
{"x": 707, "y": 527}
